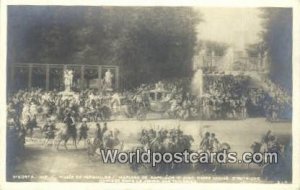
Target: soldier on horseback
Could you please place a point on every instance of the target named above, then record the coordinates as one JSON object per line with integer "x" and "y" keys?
{"x": 70, "y": 131}
{"x": 204, "y": 145}
{"x": 213, "y": 143}
{"x": 49, "y": 130}
{"x": 273, "y": 145}
{"x": 97, "y": 142}
{"x": 70, "y": 122}
{"x": 99, "y": 134}
{"x": 144, "y": 139}
{"x": 111, "y": 139}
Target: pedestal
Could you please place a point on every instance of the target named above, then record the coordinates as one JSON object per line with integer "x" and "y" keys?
{"x": 68, "y": 94}
{"x": 109, "y": 91}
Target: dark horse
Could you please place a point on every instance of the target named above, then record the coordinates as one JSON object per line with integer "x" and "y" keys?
{"x": 64, "y": 134}
{"x": 280, "y": 171}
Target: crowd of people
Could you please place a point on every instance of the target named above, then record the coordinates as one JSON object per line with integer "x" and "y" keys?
{"x": 225, "y": 97}
{"x": 235, "y": 97}
{"x": 280, "y": 105}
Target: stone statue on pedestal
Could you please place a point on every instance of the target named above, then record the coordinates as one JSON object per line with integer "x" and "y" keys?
{"x": 68, "y": 80}
{"x": 108, "y": 80}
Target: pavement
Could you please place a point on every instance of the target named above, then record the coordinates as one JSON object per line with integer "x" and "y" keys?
{"x": 48, "y": 164}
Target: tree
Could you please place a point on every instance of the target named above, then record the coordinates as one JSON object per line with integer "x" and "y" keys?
{"x": 257, "y": 50}
{"x": 208, "y": 46}
{"x": 148, "y": 43}
{"x": 277, "y": 36}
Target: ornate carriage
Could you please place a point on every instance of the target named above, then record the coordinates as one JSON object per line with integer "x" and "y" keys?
{"x": 158, "y": 100}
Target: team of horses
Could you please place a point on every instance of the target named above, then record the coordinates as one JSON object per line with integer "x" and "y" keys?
{"x": 109, "y": 141}
{"x": 280, "y": 171}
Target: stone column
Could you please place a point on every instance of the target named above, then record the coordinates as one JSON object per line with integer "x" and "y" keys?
{"x": 82, "y": 78}
{"x": 47, "y": 76}
{"x": 30, "y": 76}
{"x": 63, "y": 76}
{"x": 117, "y": 79}
{"x": 12, "y": 77}
{"x": 99, "y": 77}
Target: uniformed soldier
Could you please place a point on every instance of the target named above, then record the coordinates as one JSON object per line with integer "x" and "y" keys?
{"x": 273, "y": 145}
{"x": 49, "y": 129}
{"x": 204, "y": 145}
{"x": 83, "y": 130}
{"x": 70, "y": 122}
{"x": 213, "y": 143}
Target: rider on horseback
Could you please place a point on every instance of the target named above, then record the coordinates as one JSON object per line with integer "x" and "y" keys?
{"x": 98, "y": 140}
{"x": 204, "y": 145}
{"x": 49, "y": 129}
{"x": 270, "y": 142}
{"x": 70, "y": 122}
{"x": 273, "y": 145}
{"x": 213, "y": 143}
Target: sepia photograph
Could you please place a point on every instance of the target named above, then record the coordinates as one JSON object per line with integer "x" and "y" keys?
{"x": 149, "y": 94}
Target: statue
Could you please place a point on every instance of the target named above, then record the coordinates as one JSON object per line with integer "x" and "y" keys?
{"x": 108, "y": 79}
{"x": 68, "y": 79}
{"x": 159, "y": 86}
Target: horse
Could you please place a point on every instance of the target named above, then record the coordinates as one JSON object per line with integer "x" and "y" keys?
{"x": 104, "y": 113}
{"x": 48, "y": 135}
{"x": 111, "y": 140}
{"x": 95, "y": 143}
{"x": 29, "y": 123}
{"x": 137, "y": 166}
{"x": 213, "y": 166}
{"x": 270, "y": 171}
{"x": 64, "y": 134}
{"x": 92, "y": 145}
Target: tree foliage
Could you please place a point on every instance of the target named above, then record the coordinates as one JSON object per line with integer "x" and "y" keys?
{"x": 277, "y": 36}
{"x": 218, "y": 48}
{"x": 257, "y": 49}
{"x": 212, "y": 47}
{"x": 149, "y": 43}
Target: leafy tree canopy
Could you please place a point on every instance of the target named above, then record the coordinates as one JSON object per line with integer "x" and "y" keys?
{"x": 277, "y": 36}
{"x": 149, "y": 43}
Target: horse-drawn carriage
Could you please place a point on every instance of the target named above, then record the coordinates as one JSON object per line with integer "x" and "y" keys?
{"x": 158, "y": 99}
{"x": 143, "y": 102}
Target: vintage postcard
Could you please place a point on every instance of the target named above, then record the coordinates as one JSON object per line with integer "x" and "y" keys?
{"x": 150, "y": 94}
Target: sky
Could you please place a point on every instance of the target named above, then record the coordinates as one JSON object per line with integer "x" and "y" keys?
{"x": 235, "y": 26}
